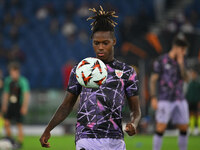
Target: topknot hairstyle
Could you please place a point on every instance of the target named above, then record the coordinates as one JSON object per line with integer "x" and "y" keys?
{"x": 102, "y": 20}
{"x": 180, "y": 40}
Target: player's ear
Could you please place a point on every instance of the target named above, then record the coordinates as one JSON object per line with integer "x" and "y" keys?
{"x": 114, "y": 41}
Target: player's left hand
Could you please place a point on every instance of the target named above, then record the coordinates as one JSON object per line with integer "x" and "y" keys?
{"x": 198, "y": 105}
{"x": 23, "y": 111}
{"x": 44, "y": 139}
{"x": 130, "y": 129}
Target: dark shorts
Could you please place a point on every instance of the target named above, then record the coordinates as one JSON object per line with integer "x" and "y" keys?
{"x": 13, "y": 114}
{"x": 193, "y": 107}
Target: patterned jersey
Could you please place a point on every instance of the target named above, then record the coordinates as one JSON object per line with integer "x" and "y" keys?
{"x": 170, "y": 82}
{"x": 100, "y": 110}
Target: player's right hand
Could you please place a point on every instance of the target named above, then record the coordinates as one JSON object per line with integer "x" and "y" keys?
{"x": 4, "y": 109}
{"x": 130, "y": 129}
{"x": 154, "y": 103}
{"x": 44, "y": 139}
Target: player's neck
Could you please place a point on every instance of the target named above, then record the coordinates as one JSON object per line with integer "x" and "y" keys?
{"x": 109, "y": 60}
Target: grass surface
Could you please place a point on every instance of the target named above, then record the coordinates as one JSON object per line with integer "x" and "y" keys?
{"x": 139, "y": 142}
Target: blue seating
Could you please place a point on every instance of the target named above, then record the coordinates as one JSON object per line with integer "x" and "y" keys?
{"x": 46, "y": 53}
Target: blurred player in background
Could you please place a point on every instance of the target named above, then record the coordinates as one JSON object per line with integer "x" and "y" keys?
{"x": 15, "y": 100}
{"x": 99, "y": 119}
{"x": 1, "y": 91}
{"x": 193, "y": 97}
{"x": 169, "y": 73}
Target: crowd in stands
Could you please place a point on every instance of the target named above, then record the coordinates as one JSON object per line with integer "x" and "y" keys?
{"x": 45, "y": 34}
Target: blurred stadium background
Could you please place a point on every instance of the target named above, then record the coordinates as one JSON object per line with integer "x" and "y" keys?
{"x": 48, "y": 37}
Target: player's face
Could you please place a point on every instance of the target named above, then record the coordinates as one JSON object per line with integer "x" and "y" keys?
{"x": 14, "y": 74}
{"x": 181, "y": 50}
{"x": 103, "y": 44}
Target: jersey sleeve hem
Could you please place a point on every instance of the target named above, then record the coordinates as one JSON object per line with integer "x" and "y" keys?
{"x": 73, "y": 92}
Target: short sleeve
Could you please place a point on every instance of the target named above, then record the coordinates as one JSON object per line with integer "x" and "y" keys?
{"x": 132, "y": 84}
{"x": 25, "y": 85}
{"x": 6, "y": 85}
{"x": 157, "y": 66}
{"x": 73, "y": 85}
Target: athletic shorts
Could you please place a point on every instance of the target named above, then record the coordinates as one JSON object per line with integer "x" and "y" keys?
{"x": 193, "y": 106}
{"x": 100, "y": 144}
{"x": 176, "y": 111}
{"x": 14, "y": 113}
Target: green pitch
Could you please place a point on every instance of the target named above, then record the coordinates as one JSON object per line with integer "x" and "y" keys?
{"x": 139, "y": 142}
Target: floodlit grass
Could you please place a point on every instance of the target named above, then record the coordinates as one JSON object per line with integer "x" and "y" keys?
{"x": 139, "y": 142}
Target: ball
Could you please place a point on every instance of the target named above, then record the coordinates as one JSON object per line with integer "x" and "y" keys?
{"x": 91, "y": 72}
{"x": 5, "y": 145}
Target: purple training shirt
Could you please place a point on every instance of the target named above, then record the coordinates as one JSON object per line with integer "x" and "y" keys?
{"x": 170, "y": 82}
{"x": 100, "y": 110}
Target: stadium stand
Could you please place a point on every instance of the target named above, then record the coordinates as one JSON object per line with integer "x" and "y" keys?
{"x": 51, "y": 32}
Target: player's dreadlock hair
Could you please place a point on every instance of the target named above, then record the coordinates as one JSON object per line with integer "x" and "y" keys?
{"x": 102, "y": 20}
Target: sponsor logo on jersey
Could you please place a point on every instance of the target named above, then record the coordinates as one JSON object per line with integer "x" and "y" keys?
{"x": 118, "y": 73}
{"x": 167, "y": 66}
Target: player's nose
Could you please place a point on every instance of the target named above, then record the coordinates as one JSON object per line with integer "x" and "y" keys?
{"x": 101, "y": 47}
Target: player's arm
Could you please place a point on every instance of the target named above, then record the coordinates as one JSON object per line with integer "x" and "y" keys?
{"x": 62, "y": 112}
{"x": 135, "y": 114}
{"x": 5, "y": 96}
{"x": 183, "y": 73}
{"x": 180, "y": 60}
{"x": 153, "y": 81}
{"x": 25, "y": 103}
{"x": 4, "y": 106}
{"x": 26, "y": 96}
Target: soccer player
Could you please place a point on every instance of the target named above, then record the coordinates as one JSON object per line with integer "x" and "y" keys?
{"x": 168, "y": 75}
{"x": 99, "y": 118}
{"x": 15, "y": 100}
{"x": 193, "y": 97}
{"x": 1, "y": 91}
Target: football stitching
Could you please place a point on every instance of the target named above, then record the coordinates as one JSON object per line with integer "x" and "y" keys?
{"x": 97, "y": 65}
{"x": 84, "y": 62}
{"x": 99, "y": 82}
{"x": 86, "y": 79}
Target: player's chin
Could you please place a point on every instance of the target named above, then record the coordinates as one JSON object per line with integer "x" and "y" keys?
{"x": 103, "y": 58}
